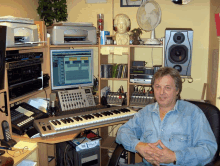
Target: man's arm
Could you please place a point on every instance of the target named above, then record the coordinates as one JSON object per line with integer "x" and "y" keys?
{"x": 129, "y": 134}
{"x": 203, "y": 142}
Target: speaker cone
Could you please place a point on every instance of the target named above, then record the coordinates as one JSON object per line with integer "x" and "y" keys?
{"x": 179, "y": 38}
{"x": 178, "y": 54}
{"x": 178, "y": 68}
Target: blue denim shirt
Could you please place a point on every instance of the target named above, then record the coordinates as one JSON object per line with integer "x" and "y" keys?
{"x": 184, "y": 130}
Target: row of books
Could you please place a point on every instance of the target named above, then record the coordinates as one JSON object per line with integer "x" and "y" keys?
{"x": 114, "y": 71}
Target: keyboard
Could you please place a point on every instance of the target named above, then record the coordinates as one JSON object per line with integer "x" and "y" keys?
{"x": 22, "y": 122}
{"x": 60, "y": 124}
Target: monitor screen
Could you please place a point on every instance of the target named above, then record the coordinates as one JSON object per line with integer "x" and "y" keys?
{"x": 71, "y": 68}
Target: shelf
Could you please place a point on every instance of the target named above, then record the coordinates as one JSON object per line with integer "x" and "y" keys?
{"x": 108, "y": 45}
{"x": 117, "y": 79}
{"x": 147, "y": 46}
{"x": 73, "y": 45}
{"x": 25, "y": 48}
{"x": 3, "y": 90}
{"x": 139, "y": 84}
{"x": 135, "y": 46}
{"x": 28, "y": 95}
{"x": 109, "y": 143}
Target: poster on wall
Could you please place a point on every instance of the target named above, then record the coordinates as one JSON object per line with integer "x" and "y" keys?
{"x": 131, "y": 3}
{"x": 96, "y": 1}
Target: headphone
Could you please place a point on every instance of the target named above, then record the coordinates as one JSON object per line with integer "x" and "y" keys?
{"x": 127, "y": 21}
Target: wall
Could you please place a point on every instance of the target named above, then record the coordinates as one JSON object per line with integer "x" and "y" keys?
{"x": 195, "y": 15}
{"x": 213, "y": 66}
{"x": 19, "y": 8}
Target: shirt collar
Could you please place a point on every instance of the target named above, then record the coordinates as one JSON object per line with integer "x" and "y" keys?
{"x": 156, "y": 107}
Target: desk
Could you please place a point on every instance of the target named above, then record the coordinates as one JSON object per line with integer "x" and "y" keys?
{"x": 46, "y": 145}
{"x": 29, "y": 154}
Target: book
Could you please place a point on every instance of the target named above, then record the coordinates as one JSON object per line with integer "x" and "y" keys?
{"x": 119, "y": 71}
{"x": 22, "y": 144}
{"x": 27, "y": 163}
{"x": 125, "y": 71}
{"x": 114, "y": 71}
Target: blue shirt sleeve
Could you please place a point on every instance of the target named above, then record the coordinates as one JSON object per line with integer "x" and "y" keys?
{"x": 204, "y": 144}
{"x": 129, "y": 134}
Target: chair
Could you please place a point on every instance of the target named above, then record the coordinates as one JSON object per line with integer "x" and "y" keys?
{"x": 212, "y": 114}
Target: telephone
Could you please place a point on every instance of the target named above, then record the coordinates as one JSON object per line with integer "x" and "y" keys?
{"x": 7, "y": 141}
{"x": 77, "y": 98}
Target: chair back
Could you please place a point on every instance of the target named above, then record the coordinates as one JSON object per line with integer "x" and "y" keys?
{"x": 213, "y": 115}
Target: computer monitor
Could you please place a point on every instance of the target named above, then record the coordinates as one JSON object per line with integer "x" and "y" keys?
{"x": 71, "y": 68}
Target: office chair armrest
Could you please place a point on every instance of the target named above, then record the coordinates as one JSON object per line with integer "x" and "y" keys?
{"x": 116, "y": 156}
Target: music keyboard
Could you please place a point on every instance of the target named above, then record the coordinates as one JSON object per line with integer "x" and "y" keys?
{"x": 60, "y": 124}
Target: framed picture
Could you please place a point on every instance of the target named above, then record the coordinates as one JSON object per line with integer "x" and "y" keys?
{"x": 130, "y": 3}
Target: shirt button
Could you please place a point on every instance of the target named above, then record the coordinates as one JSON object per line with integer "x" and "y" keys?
{"x": 161, "y": 129}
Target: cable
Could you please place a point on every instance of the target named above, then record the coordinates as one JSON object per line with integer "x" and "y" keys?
{"x": 65, "y": 154}
{"x": 46, "y": 99}
{"x": 69, "y": 158}
{"x": 112, "y": 129}
{"x": 85, "y": 131}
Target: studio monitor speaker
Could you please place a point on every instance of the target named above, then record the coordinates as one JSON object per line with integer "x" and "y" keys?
{"x": 178, "y": 50}
{"x": 3, "y": 30}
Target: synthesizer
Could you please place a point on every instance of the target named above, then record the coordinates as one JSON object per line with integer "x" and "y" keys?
{"x": 70, "y": 122}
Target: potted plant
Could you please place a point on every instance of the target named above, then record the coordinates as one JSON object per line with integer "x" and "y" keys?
{"x": 52, "y": 10}
{"x": 135, "y": 35}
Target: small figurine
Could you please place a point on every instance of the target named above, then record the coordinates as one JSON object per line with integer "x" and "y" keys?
{"x": 122, "y": 26}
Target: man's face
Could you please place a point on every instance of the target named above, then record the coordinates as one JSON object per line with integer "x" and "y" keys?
{"x": 165, "y": 91}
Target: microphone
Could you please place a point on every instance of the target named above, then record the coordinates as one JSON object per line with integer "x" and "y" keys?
{"x": 53, "y": 103}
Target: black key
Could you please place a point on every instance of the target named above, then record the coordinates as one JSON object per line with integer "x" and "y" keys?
{"x": 54, "y": 122}
{"x": 67, "y": 120}
{"x": 63, "y": 120}
{"x": 58, "y": 122}
{"x": 71, "y": 120}
{"x": 49, "y": 127}
{"x": 76, "y": 118}
{"x": 44, "y": 128}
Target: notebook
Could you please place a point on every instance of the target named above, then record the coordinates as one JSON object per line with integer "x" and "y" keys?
{"x": 22, "y": 144}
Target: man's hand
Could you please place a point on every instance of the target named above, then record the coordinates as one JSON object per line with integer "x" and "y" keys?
{"x": 150, "y": 152}
{"x": 168, "y": 155}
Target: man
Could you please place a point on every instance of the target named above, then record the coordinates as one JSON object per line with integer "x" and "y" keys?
{"x": 170, "y": 131}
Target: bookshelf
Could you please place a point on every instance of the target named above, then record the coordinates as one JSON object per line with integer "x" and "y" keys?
{"x": 107, "y": 55}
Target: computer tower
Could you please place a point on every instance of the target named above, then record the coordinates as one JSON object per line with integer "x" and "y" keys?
{"x": 68, "y": 155}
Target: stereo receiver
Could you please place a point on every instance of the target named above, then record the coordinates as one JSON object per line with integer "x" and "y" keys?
{"x": 24, "y": 72}
{"x": 142, "y": 70}
{"x": 12, "y": 56}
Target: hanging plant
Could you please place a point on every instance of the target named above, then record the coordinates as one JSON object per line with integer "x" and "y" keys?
{"x": 52, "y": 10}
